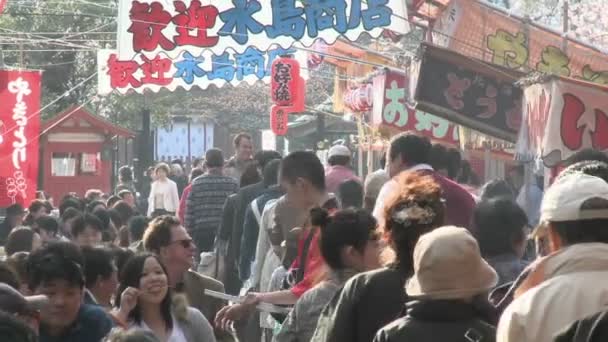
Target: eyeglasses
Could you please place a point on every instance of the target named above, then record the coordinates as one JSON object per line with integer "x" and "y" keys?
{"x": 185, "y": 243}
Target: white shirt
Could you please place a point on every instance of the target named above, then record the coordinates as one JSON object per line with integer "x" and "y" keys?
{"x": 167, "y": 199}
{"x": 177, "y": 334}
{"x": 390, "y": 186}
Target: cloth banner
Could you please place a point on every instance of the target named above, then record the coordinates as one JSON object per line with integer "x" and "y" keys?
{"x": 186, "y": 71}
{"x": 561, "y": 117}
{"x": 481, "y": 31}
{"x": 19, "y": 133}
{"x": 153, "y": 26}
{"x": 393, "y": 107}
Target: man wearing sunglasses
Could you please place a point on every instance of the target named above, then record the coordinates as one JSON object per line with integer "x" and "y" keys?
{"x": 167, "y": 238}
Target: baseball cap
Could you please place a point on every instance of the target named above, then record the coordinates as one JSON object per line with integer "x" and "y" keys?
{"x": 12, "y": 301}
{"x": 338, "y": 151}
{"x": 564, "y": 199}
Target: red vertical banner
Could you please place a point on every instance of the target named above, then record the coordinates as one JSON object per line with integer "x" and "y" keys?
{"x": 19, "y": 133}
{"x": 2, "y": 4}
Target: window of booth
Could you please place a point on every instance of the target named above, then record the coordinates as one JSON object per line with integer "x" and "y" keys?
{"x": 75, "y": 164}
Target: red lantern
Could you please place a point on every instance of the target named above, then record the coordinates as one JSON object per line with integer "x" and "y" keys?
{"x": 2, "y": 4}
{"x": 285, "y": 81}
{"x": 279, "y": 117}
{"x": 299, "y": 103}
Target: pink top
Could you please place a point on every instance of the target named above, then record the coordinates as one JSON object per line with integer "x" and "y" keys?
{"x": 336, "y": 175}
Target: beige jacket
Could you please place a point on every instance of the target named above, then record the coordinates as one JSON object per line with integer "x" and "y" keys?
{"x": 572, "y": 284}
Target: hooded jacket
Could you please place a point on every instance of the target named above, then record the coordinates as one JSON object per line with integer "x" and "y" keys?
{"x": 563, "y": 287}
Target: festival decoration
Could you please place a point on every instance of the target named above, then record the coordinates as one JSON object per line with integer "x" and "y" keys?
{"x": 2, "y": 4}
{"x": 392, "y": 106}
{"x": 285, "y": 81}
{"x": 19, "y": 132}
{"x": 359, "y": 98}
{"x": 150, "y": 27}
{"x": 186, "y": 71}
{"x": 468, "y": 92}
{"x": 481, "y": 31}
{"x": 562, "y": 116}
{"x": 279, "y": 117}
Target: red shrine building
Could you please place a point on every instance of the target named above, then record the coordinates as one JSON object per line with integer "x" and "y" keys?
{"x": 77, "y": 153}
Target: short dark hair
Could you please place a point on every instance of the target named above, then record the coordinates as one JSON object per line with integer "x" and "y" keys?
{"x": 112, "y": 200}
{"x": 104, "y": 218}
{"x": 71, "y": 205}
{"x": 8, "y": 275}
{"x": 35, "y": 205}
{"x": 158, "y": 233}
{"x": 590, "y": 167}
{"x": 271, "y": 172}
{"x": 496, "y": 188}
{"x": 48, "y": 224}
{"x": 130, "y": 277}
{"x": 263, "y": 157}
{"x": 214, "y": 157}
{"x": 84, "y": 220}
{"x": 438, "y": 157}
{"x": 70, "y": 213}
{"x": 125, "y": 211}
{"x": 14, "y": 330}
{"x": 239, "y": 137}
{"x": 137, "y": 227}
{"x": 121, "y": 256}
{"x": 19, "y": 240}
{"x": 303, "y": 164}
{"x": 125, "y": 174}
{"x": 347, "y": 227}
{"x": 587, "y": 154}
{"x": 196, "y": 172}
{"x": 499, "y": 223}
{"x": 14, "y": 210}
{"x": 338, "y": 160}
{"x": 123, "y": 193}
{"x": 413, "y": 149}
{"x": 115, "y": 217}
{"x": 98, "y": 262}
{"x": 57, "y": 260}
{"x": 584, "y": 231}
{"x": 350, "y": 194}
{"x": 91, "y": 206}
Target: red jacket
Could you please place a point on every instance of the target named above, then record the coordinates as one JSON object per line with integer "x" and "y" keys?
{"x": 181, "y": 212}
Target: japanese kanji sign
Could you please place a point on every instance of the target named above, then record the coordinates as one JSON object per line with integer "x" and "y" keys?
{"x": 477, "y": 30}
{"x": 152, "y": 26}
{"x": 19, "y": 132}
{"x": 392, "y": 106}
{"x": 187, "y": 70}
{"x": 470, "y": 93}
{"x": 562, "y": 117}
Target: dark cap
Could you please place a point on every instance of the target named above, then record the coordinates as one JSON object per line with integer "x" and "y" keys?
{"x": 12, "y": 301}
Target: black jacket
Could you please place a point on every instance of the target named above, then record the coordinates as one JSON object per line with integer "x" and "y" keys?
{"x": 590, "y": 329}
{"x": 438, "y": 320}
{"x": 367, "y": 302}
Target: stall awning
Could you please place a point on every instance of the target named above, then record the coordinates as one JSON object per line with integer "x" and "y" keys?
{"x": 562, "y": 116}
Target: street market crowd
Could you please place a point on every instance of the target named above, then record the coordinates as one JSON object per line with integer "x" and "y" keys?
{"x": 416, "y": 251}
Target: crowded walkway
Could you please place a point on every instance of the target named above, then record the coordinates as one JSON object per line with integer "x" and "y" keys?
{"x": 262, "y": 247}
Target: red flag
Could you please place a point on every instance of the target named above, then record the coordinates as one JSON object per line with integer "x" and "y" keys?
{"x": 19, "y": 133}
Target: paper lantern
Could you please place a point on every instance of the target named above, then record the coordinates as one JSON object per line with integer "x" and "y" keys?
{"x": 285, "y": 81}
{"x": 279, "y": 118}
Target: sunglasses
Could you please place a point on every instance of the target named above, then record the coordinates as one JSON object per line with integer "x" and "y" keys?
{"x": 185, "y": 243}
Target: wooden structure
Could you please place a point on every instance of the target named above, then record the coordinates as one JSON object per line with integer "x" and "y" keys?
{"x": 77, "y": 153}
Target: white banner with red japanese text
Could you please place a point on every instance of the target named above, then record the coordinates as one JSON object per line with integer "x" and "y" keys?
{"x": 172, "y": 27}
{"x": 153, "y": 74}
{"x": 393, "y": 107}
{"x": 562, "y": 117}
{"x": 19, "y": 132}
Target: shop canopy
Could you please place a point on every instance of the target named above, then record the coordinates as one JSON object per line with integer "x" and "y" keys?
{"x": 562, "y": 116}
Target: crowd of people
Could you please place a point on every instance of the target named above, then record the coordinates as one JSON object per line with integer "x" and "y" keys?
{"x": 418, "y": 250}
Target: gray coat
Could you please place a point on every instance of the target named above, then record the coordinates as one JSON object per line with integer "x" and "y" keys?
{"x": 196, "y": 327}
